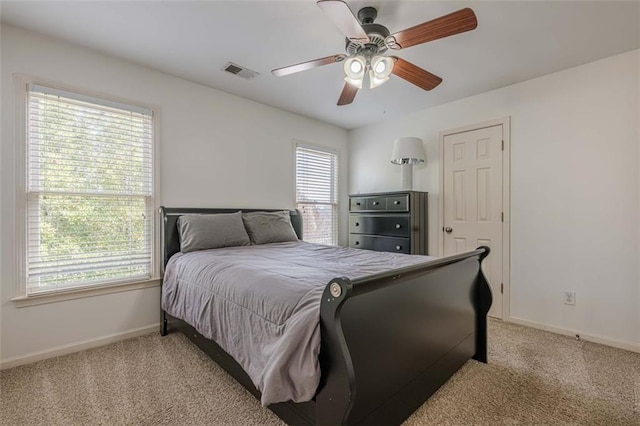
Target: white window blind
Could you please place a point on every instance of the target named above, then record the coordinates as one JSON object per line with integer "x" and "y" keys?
{"x": 89, "y": 191}
{"x": 317, "y": 194}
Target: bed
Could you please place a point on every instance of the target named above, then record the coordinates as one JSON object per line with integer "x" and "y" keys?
{"x": 386, "y": 340}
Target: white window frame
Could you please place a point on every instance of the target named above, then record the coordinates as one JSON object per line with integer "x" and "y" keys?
{"x": 336, "y": 205}
{"x": 21, "y": 297}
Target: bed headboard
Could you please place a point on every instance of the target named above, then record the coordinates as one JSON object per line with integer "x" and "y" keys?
{"x": 169, "y": 225}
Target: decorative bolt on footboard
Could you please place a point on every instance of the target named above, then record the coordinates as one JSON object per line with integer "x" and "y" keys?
{"x": 335, "y": 289}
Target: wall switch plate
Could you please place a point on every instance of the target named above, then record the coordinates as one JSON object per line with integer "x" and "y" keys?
{"x": 569, "y": 298}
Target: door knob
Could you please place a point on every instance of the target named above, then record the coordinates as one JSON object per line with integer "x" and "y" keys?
{"x": 448, "y": 230}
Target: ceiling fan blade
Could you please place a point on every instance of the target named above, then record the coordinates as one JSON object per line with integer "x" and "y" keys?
{"x": 414, "y": 74}
{"x": 343, "y": 17}
{"x": 279, "y": 72}
{"x": 348, "y": 94}
{"x": 454, "y": 23}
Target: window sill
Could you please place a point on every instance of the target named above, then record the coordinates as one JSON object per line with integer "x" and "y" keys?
{"x": 41, "y": 299}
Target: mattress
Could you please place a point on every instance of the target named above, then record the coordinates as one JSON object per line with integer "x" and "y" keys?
{"x": 261, "y": 304}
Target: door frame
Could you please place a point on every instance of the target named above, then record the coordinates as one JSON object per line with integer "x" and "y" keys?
{"x": 506, "y": 200}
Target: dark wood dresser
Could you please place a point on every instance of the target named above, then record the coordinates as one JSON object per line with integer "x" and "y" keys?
{"x": 389, "y": 221}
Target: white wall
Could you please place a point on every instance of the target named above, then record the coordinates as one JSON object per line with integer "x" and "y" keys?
{"x": 217, "y": 150}
{"x": 575, "y": 187}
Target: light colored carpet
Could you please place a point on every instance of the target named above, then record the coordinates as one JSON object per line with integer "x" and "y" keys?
{"x": 533, "y": 378}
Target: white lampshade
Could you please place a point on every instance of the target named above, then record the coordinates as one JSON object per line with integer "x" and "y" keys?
{"x": 354, "y": 69}
{"x": 407, "y": 151}
{"x": 381, "y": 67}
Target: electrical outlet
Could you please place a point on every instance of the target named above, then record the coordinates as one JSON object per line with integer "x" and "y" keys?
{"x": 569, "y": 298}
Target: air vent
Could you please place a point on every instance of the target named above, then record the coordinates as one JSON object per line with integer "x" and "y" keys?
{"x": 240, "y": 71}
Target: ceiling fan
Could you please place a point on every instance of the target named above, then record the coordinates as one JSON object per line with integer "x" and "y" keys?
{"x": 367, "y": 44}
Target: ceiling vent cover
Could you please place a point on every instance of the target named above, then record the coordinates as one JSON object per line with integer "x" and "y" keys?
{"x": 239, "y": 70}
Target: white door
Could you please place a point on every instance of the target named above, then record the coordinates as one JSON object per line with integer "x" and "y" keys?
{"x": 473, "y": 214}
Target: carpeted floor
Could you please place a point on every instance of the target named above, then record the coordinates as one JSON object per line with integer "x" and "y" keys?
{"x": 533, "y": 378}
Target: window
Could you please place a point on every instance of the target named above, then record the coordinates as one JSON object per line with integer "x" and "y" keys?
{"x": 89, "y": 191}
{"x": 317, "y": 194}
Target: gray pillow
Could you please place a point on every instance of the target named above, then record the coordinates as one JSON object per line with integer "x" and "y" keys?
{"x": 207, "y": 231}
{"x": 269, "y": 227}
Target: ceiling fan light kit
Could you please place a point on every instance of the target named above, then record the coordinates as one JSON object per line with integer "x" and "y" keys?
{"x": 366, "y": 43}
{"x": 379, "y": 68}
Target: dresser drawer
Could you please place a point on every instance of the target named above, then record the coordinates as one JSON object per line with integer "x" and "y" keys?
{"x": 391, "y": 244}
{"x": 398, "y": 203}
{"x": 377, "y": 203}
{"x": 357, "y": 203}
{"x": 389, "y": 225}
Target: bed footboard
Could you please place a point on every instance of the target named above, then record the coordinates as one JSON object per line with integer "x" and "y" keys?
{"x": 389, "y": 341}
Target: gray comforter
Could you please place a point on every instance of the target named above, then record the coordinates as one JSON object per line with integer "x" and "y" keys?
{"x": 261, "y": 304}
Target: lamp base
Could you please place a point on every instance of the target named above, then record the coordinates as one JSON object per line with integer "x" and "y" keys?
{"x": 407, "y": 177}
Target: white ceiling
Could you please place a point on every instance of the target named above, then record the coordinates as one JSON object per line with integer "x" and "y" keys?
{"x": 514, "y": 41}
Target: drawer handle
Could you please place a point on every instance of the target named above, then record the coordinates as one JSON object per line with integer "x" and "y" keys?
{"x": 357, "y": 224}
{"x": 375, "y": 203}
{"x": 358, "y": 203}
{"x": 357, "y": 243}
{"x": 397, "y": 203}
{"x": 398, "y": 226}
{"x": 398, "y": 247}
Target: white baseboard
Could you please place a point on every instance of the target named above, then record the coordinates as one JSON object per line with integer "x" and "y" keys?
{"x": 77, "y": 347}
{"x": 583, "y": 336}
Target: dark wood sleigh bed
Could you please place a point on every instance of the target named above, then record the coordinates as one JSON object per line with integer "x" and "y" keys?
{"x": 388, "y": 341}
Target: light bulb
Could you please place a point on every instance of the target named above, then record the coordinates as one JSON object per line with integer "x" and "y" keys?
{"x": 355, "y": 67}
{"x": 381, "y": 65}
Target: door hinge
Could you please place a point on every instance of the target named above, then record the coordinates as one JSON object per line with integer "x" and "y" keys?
{"x": 501, "y": 288}
{"x": 502, "y": 216}
{"x": 503, "y": 144}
